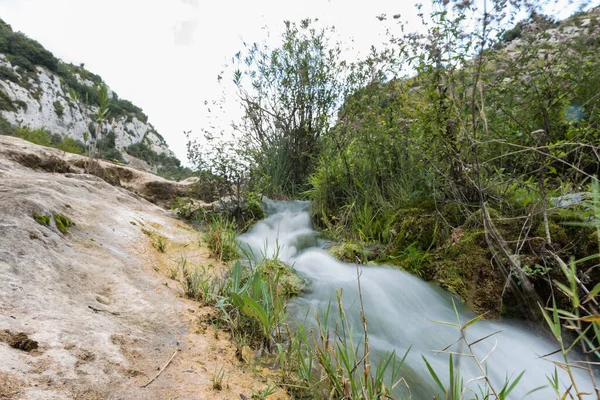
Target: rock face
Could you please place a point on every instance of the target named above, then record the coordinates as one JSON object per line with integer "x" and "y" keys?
{"x": 88, "y": 307}
{"x": 153, "y": 188}
{"x": 42, "y": 101}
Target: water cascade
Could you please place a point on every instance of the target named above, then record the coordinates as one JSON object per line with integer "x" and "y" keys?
{"x": 400, "y": 309}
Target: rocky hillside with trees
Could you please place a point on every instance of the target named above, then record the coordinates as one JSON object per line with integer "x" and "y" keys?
{"x": 53, "y": 103}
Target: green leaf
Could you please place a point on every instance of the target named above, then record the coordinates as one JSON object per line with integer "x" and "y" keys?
{"x": 594, "y": 292}
{"x": 471, "y": 322}
{"x": 256, "y": 311}
{"x": 434, "y": 375}
{"x": 554, "y": 327}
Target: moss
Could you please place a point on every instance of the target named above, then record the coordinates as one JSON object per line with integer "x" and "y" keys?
{"x": 63, "y": 223}
{"x": 351, "y": 252}
{"x": 454, "y": 214}
{"x": 558, "y": 234}
{"x": 415, "y": 225}
{"x": 42, "y": 219}
{"x": 465, "y": 268}
{"x": 289, "y": 284}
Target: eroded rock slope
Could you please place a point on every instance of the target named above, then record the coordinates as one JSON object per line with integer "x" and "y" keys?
{"x": 96, "y": 300}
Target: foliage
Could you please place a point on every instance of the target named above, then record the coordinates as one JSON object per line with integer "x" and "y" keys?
{"x": 24, "y": 52}
{"x": 6, "y": 128}
{"x": 457, "y": 388}
{"x": 59, "y": 108}
{"x": 254, "y": 296}
{"x": 142, "y": 151}
{"x": 8, "y": 104}
{"x": 199, "y": 284}
{"x": 175, "y": 173}
{"x": 44, "y": 138}
{"x": 37, "y": 136}
{"x": 413, "y": 158}
{"x": 581, "y": 318}
{"x": 288, "y": 95}
{"x": 107, "y": 149}
{"x": 8, "y": 74}
{"x": 70, "y": 145}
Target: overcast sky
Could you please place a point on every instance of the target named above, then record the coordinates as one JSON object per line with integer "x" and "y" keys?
{"x": 164, "y": 55}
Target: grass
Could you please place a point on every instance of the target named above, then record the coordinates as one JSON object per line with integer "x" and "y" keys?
{"x": 220, "y": 236}
{"x": 200, "y": 284}
{"x": 217, "y": 379}
{"x": 157, "y": 241}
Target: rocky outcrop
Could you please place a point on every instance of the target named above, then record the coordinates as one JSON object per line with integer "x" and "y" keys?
{"x": 89, "y": 308}
{"x": 153, "y": 188}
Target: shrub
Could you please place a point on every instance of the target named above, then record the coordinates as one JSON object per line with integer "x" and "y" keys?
{"x": 107, "y": 148}
{"x": 37, "y": 136}
{"x": 8, "y": 74}
{"x": 6, "y": 128}
{"x": 24, "y": 52}
{"x": 59, "y": 108}
{"x": 8, "y": 104}
{"x": 71, "y": 145}
{"x": 142, "y": 151}
{"x": 512, "y": 34}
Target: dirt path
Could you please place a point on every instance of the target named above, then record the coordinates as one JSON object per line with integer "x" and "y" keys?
{"x": 99, "y": 300}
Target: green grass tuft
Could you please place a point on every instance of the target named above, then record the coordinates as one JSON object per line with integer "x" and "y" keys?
{"x": 63, "y": 223}
{"x": 41, "y": 219}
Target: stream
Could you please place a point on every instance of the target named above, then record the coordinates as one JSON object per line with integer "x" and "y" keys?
{"x": 400, "y": 309}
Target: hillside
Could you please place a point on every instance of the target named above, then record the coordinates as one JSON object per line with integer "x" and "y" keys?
{"x": 39, "y": 91}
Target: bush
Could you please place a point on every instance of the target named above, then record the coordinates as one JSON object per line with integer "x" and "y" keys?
{"x": 142, "y": 151}
{"x": 37, "y": 136}
{"x": 512, "y": 34}
{"x": 120, "y": 108}
{"x": 8, "y": 74}
{"x": 59, "y": 108}
{"x": 107, "y": 148}
{"x": 6, "y": 128}
{"x": 8, "y": 104}
{"x": 71, "y": 145}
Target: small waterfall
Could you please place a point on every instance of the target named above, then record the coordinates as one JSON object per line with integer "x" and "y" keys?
{"x": 400, "y": 309}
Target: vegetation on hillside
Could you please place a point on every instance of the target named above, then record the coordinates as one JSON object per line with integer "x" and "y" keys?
{"x": 87, "y": 92}
{"x": 25, "y": 54}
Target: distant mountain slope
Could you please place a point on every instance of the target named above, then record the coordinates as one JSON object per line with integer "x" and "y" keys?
{"x": 37, "y": 90}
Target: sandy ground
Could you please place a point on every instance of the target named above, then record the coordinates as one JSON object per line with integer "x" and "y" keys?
{"x": 99, "y": 300}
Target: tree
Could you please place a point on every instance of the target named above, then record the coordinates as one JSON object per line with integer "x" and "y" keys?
{"x": 289, "y": 95}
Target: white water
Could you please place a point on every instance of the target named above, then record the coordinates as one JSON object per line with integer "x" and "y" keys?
{"x": 400, "y": 309}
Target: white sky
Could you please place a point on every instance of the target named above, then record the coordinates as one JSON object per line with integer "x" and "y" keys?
{"x": 164, "y": 55}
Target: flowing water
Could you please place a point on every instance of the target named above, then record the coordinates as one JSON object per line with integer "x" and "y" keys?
{"x": 400, "y": 309}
